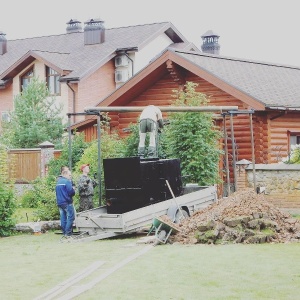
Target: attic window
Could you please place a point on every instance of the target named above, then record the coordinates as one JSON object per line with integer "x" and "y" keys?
{"x": 52, "y": 79}
{"x": 25, "y": 78}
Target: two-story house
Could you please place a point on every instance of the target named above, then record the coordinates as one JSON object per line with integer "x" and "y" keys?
{"x": 83, "y": 65}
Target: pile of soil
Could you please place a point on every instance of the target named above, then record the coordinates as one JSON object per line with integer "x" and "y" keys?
{"x": 244, "y": 217}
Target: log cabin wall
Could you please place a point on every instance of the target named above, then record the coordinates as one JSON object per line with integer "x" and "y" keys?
{"x": 261, "y": 138}
{"x": 241, "y": 123}
{"x": 280, "y": 125}
{"x": 159, "y": 94}
{"x": 269, "y": 128}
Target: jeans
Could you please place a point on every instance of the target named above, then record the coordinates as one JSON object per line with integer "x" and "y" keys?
{"x": 67, "y": 217}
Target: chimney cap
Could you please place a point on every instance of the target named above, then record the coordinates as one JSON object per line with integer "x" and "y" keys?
{"x": 74, "y": 26}
{"x": 95, "y": 20}
{"x": 73, "y": 21}
{"x": 209, "y": 33}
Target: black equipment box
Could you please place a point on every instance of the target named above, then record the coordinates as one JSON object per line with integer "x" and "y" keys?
{"x": 131, "y": 183}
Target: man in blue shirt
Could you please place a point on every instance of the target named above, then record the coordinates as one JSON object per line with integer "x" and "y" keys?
{"x": 64, "y": 193}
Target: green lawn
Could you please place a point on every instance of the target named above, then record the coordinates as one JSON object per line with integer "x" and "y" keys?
{"x": 33, "y": 264}
{"x": 23, "y": 215}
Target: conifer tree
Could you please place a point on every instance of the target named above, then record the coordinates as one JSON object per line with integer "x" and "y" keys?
{"x": 35, "y": 118}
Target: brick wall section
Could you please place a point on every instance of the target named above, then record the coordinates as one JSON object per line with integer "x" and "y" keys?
{"x": 93, "y": 89}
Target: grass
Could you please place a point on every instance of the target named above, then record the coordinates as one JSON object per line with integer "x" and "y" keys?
{"x": 23, "y": 215}
{"x": 32, "y": 265}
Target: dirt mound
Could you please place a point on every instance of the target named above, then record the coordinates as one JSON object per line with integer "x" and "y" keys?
{"x": 244, "y": 217}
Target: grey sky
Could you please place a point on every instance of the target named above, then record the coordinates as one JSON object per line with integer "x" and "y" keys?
{"x": 264, "y": 30}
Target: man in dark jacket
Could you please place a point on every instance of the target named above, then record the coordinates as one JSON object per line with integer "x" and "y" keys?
{"x": 86, "y": 187}
{"x": 64, "y": 193}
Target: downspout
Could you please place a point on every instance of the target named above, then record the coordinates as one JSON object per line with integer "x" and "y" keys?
{"x": 131, "y": 63}
{"x": 68, "y": 84}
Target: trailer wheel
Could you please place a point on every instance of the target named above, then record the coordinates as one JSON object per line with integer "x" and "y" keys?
{"x": 180, "y": 215}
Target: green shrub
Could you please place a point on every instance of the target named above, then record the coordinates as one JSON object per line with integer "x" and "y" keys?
{"x": 78, "y": 147}
{"x": 29, "y": 199}
{"x": 7, "y": 197}
{"x": 44, "y": 189}
{"x": 294, "y": 157}
{"x": 42, "y": 197}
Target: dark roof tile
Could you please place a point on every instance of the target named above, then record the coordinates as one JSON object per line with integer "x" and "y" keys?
{"x": 273, "y": 85}
{"x": 68, "y": 50}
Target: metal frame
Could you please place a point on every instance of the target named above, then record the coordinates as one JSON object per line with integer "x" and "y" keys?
{"x": 231, "y": 113}
{"x": 223, "y": 110}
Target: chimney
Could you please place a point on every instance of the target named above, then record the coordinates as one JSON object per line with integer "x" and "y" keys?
{"x": 74, "y": 26}
{"x": 3, "y": 43}
{"x": 94, "y": 32}
{"x": 210, "y": 43}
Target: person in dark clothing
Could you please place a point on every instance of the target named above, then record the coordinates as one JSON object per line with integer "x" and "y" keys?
{"x": 64, "y": 193}
{"x": 86, "y": 187}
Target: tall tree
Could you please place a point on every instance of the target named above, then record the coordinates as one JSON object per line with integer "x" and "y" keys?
{"x": 35, "y": 119}
{"x": 193, "y": 138}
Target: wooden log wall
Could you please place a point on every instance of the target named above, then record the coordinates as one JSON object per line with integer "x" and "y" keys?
{"x": 160, "y": 94}
{"x": 279, "y": 136}
{"x": 269, "y": 129}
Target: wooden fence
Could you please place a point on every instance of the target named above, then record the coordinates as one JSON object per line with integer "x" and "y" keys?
{"x": 26, "y": 165}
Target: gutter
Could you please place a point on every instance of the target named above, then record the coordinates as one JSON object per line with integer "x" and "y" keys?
{"x": 73, "y": 102}
{"x": 124, "y": 51}
{"x": 68, "y": 80}
{"x": 282, "y": 108}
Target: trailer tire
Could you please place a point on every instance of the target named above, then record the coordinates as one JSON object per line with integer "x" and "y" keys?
{"x": 180, "y": 215}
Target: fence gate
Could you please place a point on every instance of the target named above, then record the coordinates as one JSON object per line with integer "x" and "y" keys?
{"x": 24, "y": 165}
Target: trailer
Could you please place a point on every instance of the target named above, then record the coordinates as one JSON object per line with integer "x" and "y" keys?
{"x": 96, "y": 224}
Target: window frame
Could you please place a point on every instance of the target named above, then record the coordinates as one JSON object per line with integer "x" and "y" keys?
{"x": 25, "y": 76}
{"x": 290, "y": 134}
{"x": 52, "y": 78}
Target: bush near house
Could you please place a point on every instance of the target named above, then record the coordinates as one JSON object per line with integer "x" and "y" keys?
{"x": 7, "y": 197}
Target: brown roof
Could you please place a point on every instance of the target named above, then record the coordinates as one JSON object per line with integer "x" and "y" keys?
{"x": 272, "y": 85}
{"x": 259, "y": 84}
{"x": 68, "y": 52}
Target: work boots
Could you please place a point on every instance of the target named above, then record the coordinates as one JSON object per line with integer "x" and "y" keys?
{"x": 141, "y": 152}
{"x": 152, "y": 152}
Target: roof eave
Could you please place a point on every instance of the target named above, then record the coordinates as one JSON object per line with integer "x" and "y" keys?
{"x": 25, "y": 61}
{"x": 215, "y": 80}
